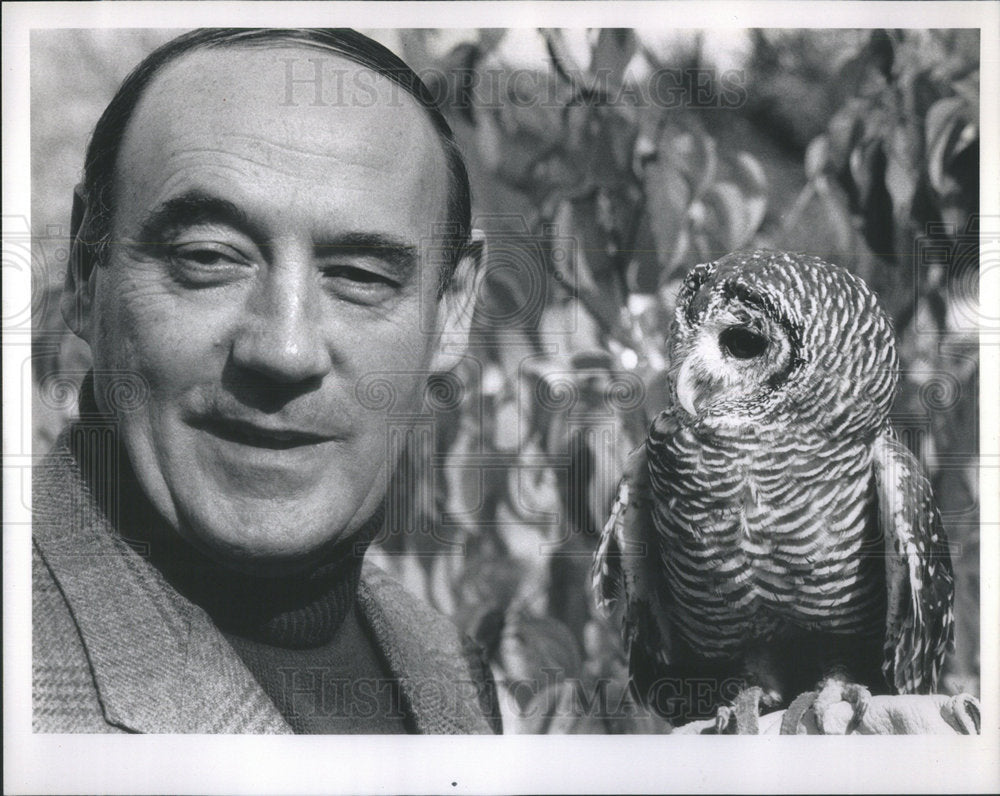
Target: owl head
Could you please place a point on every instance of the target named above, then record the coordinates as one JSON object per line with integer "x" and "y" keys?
{"x": 763, "y": 334}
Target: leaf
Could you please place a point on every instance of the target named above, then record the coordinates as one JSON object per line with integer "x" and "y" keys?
{"x": 611, "y": 55}
{"x": 569, "y": 322}
{"x": 856, "y": 71}
{"x": 465, "y": 491}
{"x": 901, "y": 172}
{"x": 534, "y": 648}
{"x": 733, "y": 215}
{"x": 667, "y": 198}
{"x": 724, "y": 223}
{"x": 509, "y": 434}
{"x": 445, "y": 569}
{"x": 577, "y": 119}
{"x": 510, "y": 710}
{"x": 860, "y": 174}
{"x": 592, "y": 241}
{"x": 408, "y": 571}
{"x": 817, "y": 156}
{"x": 563, "y": 62}
{"x": 838, "y": 222}
{"x": 573, "y": 271}
{"x": 843, "y": 132}
{"x": 490, "y": 39}
{"x": 752, "y": 179}
{"x": 534, "y": 494}
{"x": 489, "y": 140}
{"x": 942, "y": 120}
{"x": 968, "y": 89}
{"x": 686, "y": 146}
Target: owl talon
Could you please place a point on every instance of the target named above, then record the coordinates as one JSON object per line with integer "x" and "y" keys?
{"x": 857, "y": 695}
{"x": 725, "y": 717}
{"x": 860, "y": 697}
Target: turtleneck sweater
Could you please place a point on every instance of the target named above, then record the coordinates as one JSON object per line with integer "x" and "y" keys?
{"x": 302, "y": 637}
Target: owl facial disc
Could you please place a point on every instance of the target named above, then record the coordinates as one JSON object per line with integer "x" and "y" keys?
{"x": 732, "y": 352}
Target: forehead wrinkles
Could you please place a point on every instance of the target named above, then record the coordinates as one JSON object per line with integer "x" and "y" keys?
{"x": 234, "y": 153}
{"x": 236, "y": 104}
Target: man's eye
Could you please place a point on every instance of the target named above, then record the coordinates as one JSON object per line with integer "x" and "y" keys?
{"x": 206, "y": 254}
{"x": 355, "y": 274}
{"x": 358, "y": 283}
{"x": 206, "y": 262}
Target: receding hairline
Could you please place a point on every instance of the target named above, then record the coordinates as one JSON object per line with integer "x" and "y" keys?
{"x": 302, "y": 77}
{"x": 387, "y": 90}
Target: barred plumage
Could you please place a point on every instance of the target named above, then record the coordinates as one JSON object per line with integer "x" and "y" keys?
{"x": 771, "y": 530}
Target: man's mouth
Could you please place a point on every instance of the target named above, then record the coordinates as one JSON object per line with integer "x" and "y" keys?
{"x": 255, "y": 435}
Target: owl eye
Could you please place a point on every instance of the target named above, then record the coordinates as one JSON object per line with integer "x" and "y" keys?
{"x": 740, "y": 342}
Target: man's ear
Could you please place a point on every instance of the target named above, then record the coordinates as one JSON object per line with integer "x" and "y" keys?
{"x": 78, "y": 289}
{"x": 458, "y": 305}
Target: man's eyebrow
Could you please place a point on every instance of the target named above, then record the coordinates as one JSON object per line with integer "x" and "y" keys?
{"x": 395, "y": 252}
{"x": 197, "y": 207}
{"x": 188, "y": 209}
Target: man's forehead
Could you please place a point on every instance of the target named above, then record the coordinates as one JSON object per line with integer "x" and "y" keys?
{"x": 247, "y": 108}
{"x": 284, "y": 78}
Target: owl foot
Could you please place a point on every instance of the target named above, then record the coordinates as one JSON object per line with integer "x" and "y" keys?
{"x": 833, "y": 691}
{"x": 790, "y": 723}
{"x": 742, "y": 717}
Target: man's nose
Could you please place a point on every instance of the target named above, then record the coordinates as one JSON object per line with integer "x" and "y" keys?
{"x": 282, "y": 334}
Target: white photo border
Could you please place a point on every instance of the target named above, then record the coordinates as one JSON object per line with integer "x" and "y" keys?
{"x": 595, "y": 764}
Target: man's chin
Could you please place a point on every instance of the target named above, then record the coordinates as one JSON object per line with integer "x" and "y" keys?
{"x": 264, "y": 557}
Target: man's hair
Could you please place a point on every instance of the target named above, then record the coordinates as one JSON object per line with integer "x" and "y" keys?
{"x": 96, "y": 211}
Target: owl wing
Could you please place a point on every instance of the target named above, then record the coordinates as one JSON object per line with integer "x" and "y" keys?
{"x": 627, "y": 570}
{"x": 919, "y": 627}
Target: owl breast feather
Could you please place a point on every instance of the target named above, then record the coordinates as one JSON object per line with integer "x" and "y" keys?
{"x": 761, "y": 532}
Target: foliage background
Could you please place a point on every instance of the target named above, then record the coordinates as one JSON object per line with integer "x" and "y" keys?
{"x": 604, "y": 164}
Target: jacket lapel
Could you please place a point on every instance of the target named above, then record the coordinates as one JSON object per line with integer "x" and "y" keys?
{"x": 159, "y": 663}
{"x": 424, "y": 652}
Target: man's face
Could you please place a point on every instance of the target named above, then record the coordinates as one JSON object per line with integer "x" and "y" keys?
{"x": 265, "y": 258}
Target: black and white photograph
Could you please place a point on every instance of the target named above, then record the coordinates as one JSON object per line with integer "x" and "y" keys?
{"x": 507, "y": 369}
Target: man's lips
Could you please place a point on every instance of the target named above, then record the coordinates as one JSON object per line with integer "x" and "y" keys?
{"x": 256, "y": 435}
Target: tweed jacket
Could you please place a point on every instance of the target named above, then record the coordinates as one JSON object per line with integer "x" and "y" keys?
{"x": 116, "y": 649}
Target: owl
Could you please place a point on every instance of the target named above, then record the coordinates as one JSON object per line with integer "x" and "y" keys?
{"x": 771, "y": 535}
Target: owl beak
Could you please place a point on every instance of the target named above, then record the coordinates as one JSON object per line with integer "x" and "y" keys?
{"x": 685, "y": 386}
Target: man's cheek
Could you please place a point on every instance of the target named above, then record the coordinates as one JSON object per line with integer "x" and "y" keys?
{"x": 403, "y": 354}
{"x": 116, "y": 357}
{"x": 171, "y": 339}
